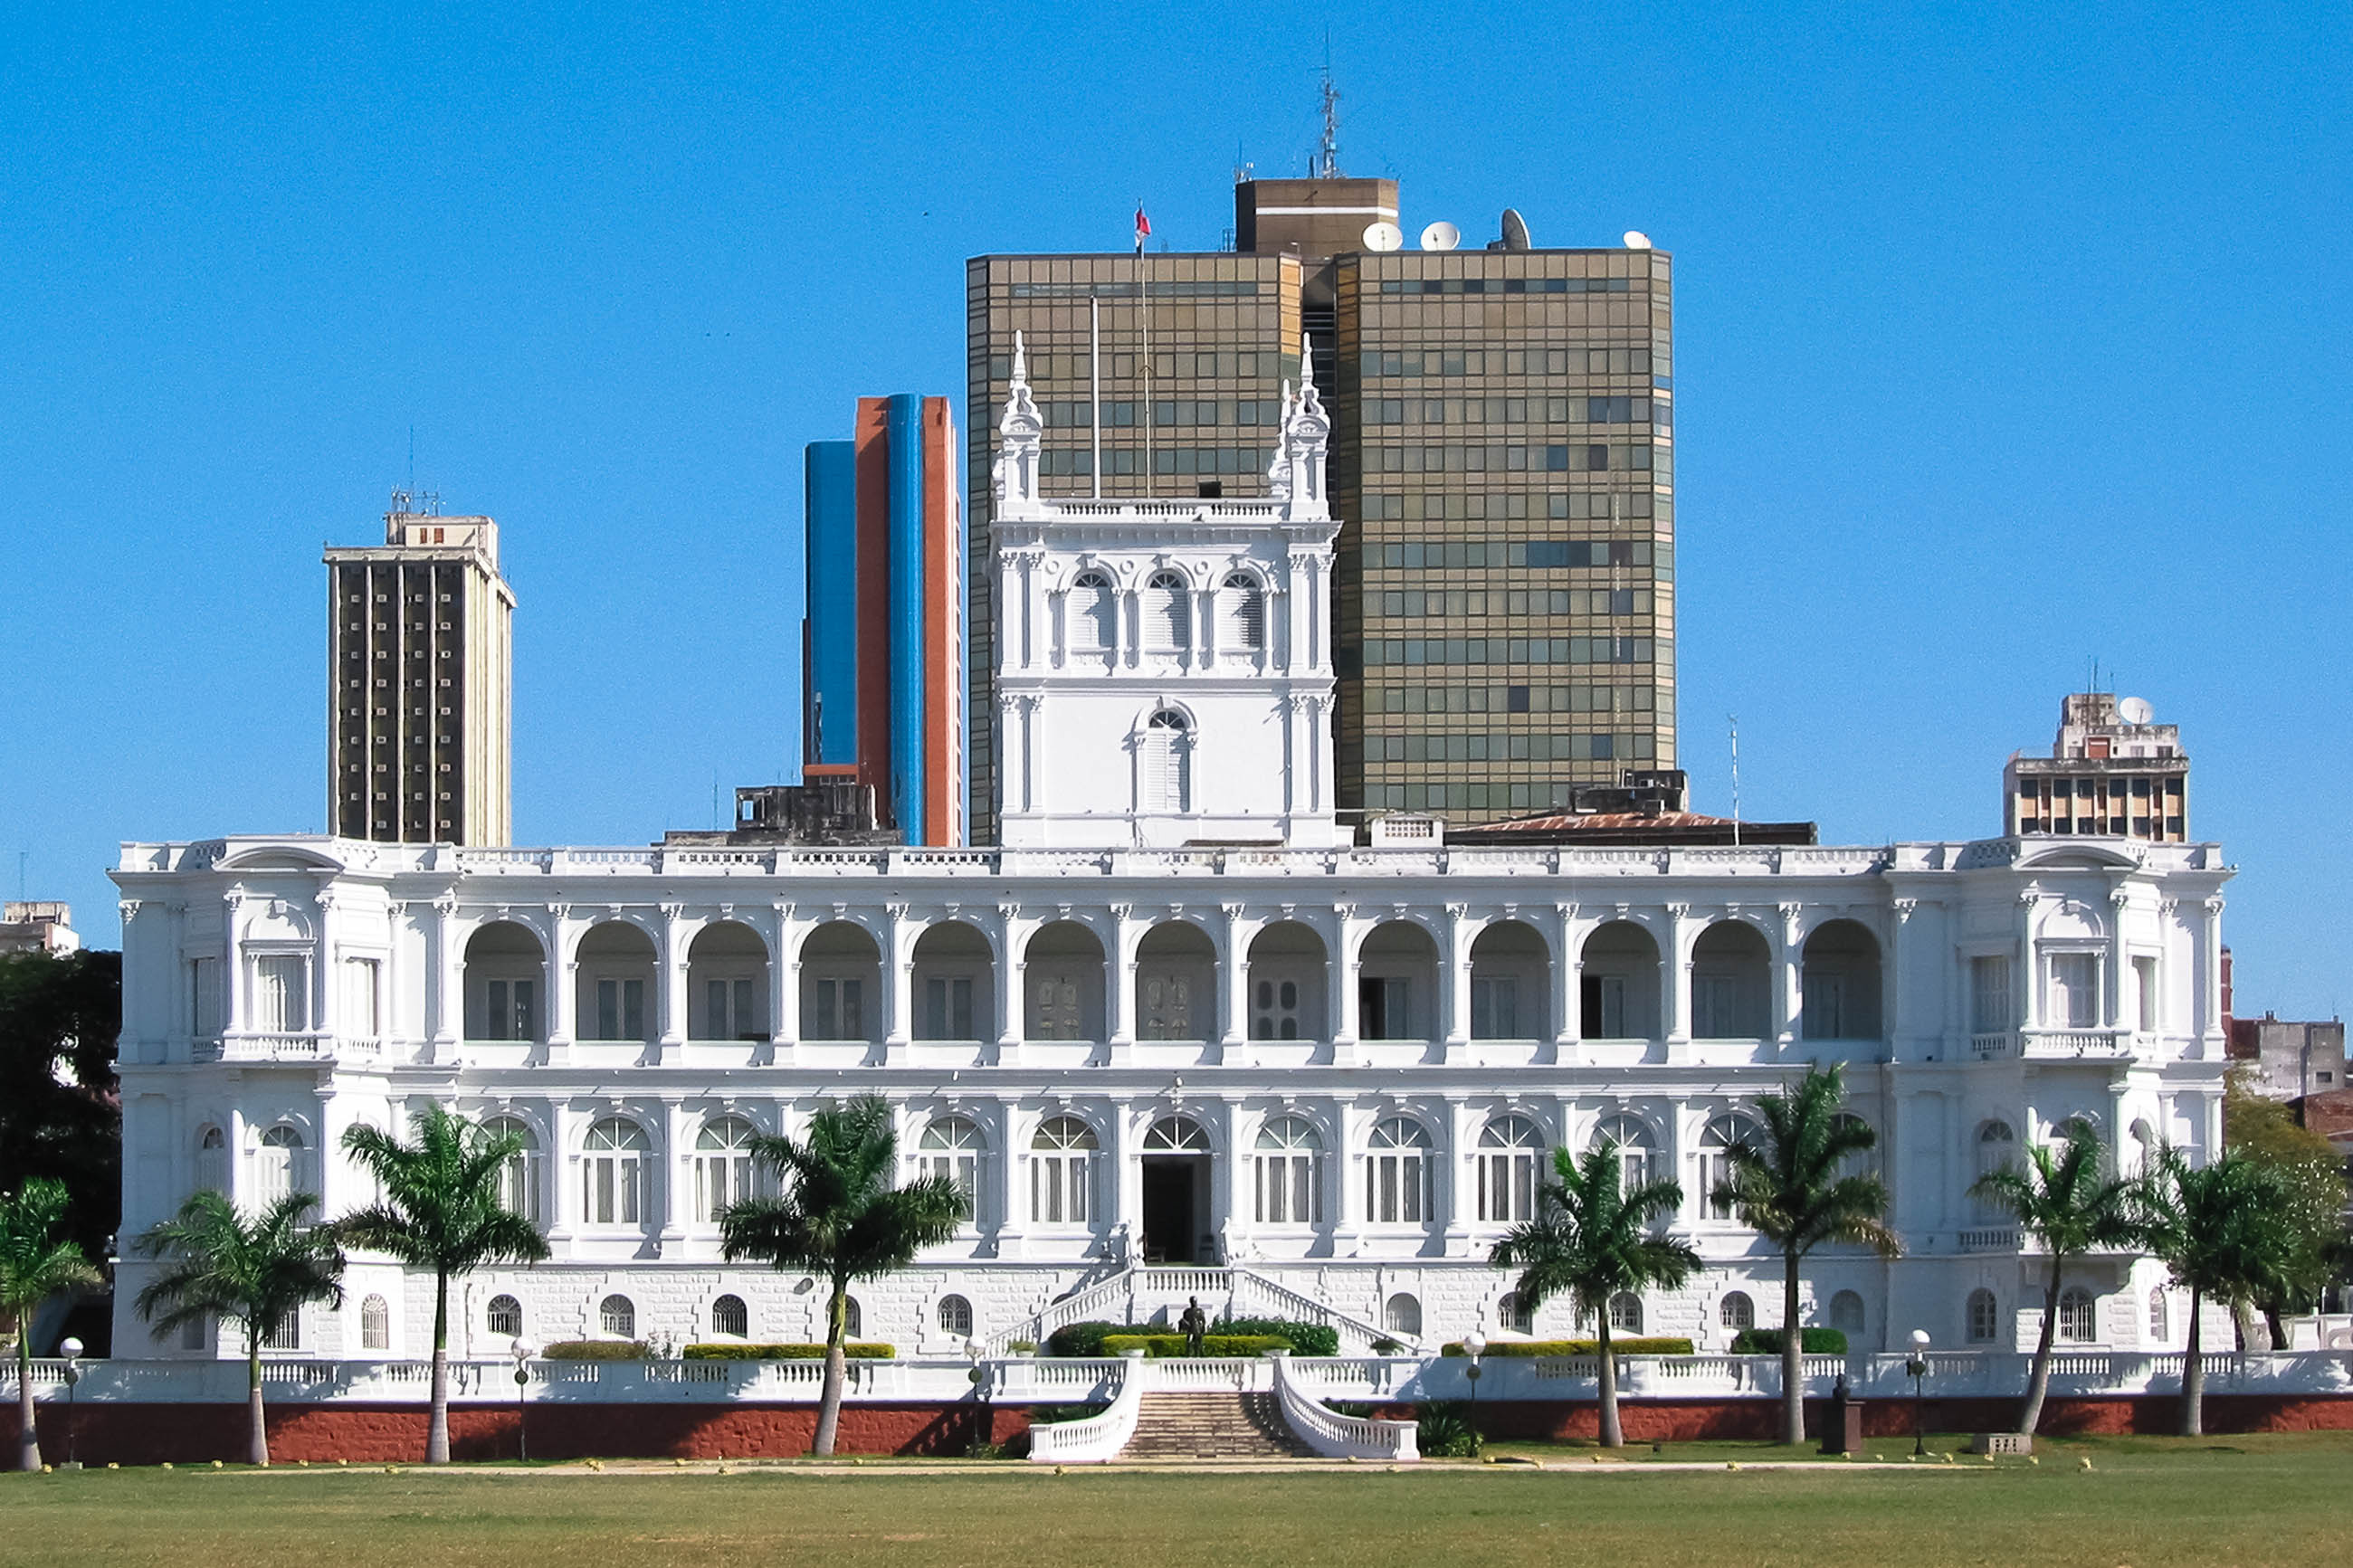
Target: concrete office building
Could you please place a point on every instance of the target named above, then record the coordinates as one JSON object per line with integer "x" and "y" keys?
{"x": 1502, "y": 472}
{"x": 2110, "y": 770}
{"x": 883, "y": 701}
{"x": 420, "y": 655}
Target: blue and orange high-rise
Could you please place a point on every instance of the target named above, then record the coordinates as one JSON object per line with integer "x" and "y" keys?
{"x": 882, "y": 643}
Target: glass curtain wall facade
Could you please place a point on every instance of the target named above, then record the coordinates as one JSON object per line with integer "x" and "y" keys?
{"x": 1504, "y": 460}
{"x": 1189, "y": 370}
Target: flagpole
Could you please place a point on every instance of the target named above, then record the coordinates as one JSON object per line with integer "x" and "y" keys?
{"x": 1095, "y": 385}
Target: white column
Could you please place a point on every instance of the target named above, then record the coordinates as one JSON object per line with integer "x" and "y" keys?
{"x": 784, "y": 978}
{"x": 677, "y": 1189}
{"x": 1342, "y": 972}
{"x": 563, "y": 983}
{"x": 2209, "y": 1006}
{"x": 1567, "y": 985}
{"x": 446, "y": 1023}
{"x": 1675, "y": 978}
{"x": 675, "y": 1025}
{"x": 1454, "y": 986}
{"x": 1119, "y": 977}
{"x": 2113, "y": 962}
{"x": 233, "y": 1002}
{"x": 898, "y": 982}
{"x": 1233, "y": 979}
{"x": 1012, "y": 990}
{"x": 1790, "y": 979}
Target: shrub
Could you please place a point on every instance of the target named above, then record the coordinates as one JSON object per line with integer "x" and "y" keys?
{"x": 1306, "y": 1339}
{"x": 598, "y": 1350}
{"x": 1211, "y": 1345}
{"x": 1387, "y": 1346}
{"x": 856, "y": 1350}
{"x": 1810, "y": 1342}
{"x": 1443, "y": 1430}
{"x": 1048, "y": 1415}
{"x": 1578, "y": 1347}
{"x": 1082, "y": 1339}
{"x": 1023, "y": 1347}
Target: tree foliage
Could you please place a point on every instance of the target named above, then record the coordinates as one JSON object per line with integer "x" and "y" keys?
{"x": 59, "y": 1113}
{"x": 837, "y": 1215}
{"x": 2311, "y": 1175}
{"x": 35, "y": 1263}
{"x": 1590, "y": 1239}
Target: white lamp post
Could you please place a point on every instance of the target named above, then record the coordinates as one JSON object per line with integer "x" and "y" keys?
{"x": 523, "y": 1350}
{"x": 1918, "y": 1367}
{"x": 71, "y": 1350}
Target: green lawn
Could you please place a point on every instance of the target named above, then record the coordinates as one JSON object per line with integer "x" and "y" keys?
{"x": 2146, "y": 1501}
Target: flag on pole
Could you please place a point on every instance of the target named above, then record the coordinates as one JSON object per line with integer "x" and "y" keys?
{"x": 1142, "y": 229}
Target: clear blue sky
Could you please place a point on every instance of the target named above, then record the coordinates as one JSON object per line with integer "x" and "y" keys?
{"x": 2010, "y": 337}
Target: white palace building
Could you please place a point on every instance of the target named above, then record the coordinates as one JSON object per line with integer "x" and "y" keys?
{"x": 1176, "y": 1019}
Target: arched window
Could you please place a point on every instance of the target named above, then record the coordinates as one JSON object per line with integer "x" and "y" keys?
{"x": 1635, "y": 1143}
{"x": 2160, "y": 1326}
{"x": 1175, "y": 1135}
{"x": 1736, "y": 1311}
{"x": 853, "y": 1318}
{"x": 1244, "y": 627}
{"x": 1997, "y": 1147}
{"x": 2078, "y": 1316}
{"x": 956, "y": 1317}
{"x": 278, "y": 1165}
{"x": 951, "y": 1149}
{"x": 287, "y": 1335}
{"x": 724, "y": 1170}
{"x": 519, "y": 1178}
{"x": 1167, "y": 617}
{"x": 1402, "y": 1314}
{"x": 212, "y": 1161}
{"x": 375, "y": 1324}
{"x": 1985, "y": 1318}
{"x": 1514, "y": 1318}
{"x": 503, "y": 1319}
{"x": 1722, "y": 1135}
{"x": 613, "y": 1173}
{"x": 730, "y": 1318}
{"x": 1062, "y": 1166}
{"x": 1625, "y": 1314}
{"x": 1397, "y": 1173}
{"x": 1509, "y": 1149}
{"x": 1167, "y": 762}
{"x": 1093, "y": 623}
{"x": 618, "y": 1316}
{"x": 1846, "y": 1314}
{"x": 1290, "y": 1157}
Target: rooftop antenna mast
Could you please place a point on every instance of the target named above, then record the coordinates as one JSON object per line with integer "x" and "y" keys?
{"x": 1733, "y": 720}
{"x": 1327, "y": 158}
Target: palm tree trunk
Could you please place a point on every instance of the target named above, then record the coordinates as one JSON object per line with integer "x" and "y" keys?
{"x": 1793, "y": 1365}
{"x": 258, "y": 1447}
{"x": 2193, "y": 1378}
{"x": 29, "y": 1434}
{"x": 2038, "y": 1382}
{"x": 1612, "y": 1434}
{"x": 436, "y": 1428}
{"x": 837, "y": 1368}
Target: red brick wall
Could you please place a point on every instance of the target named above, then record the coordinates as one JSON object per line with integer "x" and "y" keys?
{"x": 194, "y": 1434}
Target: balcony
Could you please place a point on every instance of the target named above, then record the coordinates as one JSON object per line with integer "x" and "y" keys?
{"x": 2078, "y": 1044}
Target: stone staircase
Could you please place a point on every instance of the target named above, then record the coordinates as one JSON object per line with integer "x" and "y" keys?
{"x": 1212, "y": 1427}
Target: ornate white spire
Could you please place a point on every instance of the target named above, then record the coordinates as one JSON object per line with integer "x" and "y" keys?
{"x": 1020, "y": 432}
{"x": 1297, "y": 474}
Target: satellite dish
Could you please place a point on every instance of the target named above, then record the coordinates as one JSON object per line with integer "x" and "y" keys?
{"x": 1383, "y": 236}
{"x": 1440, "y": 235}
{"x": 1515, "y": 231}
{"x": 1636, "y": 240}
{"x": 2134, "y": 711}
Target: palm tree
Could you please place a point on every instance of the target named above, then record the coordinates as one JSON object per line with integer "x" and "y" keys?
{"x": 1592, "y": 1240}
{"x": 441, "y": 1211}
{"x": 2224, "y": 1231}
{"x": 1790, "y": 1191}
{"x": 2070, "y": 1202}
{"x": 839, "y": 1215}
{"x": 35, "y": 1266}
{"x": 258, "y": 1273}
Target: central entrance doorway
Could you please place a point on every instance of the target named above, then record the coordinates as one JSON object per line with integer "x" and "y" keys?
{"x": 1175, "y": 1158}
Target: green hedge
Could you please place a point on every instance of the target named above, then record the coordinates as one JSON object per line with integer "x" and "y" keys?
{"x": 598, "y": 1350}
{"x": 1082, "y": 1339}
{"x": 1810, "y": 1342}
{"x": 1578, "y": 1347}
{"x": 1211, "y": 1345}
{"x": 856, "y": 1350}
{"x": 1306, "y": 1339}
